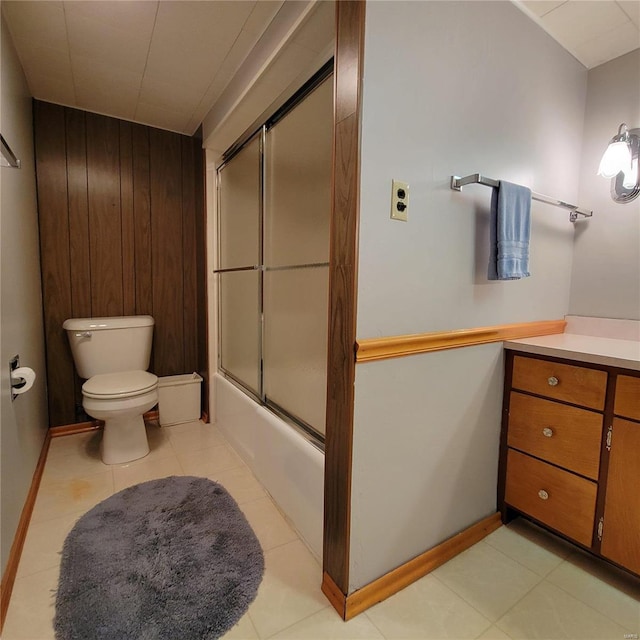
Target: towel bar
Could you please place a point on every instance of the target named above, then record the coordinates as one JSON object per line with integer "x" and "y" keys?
{"x": 476, "y": 178}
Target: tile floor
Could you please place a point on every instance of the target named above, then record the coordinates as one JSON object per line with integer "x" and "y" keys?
{"x": 518, "y": 583}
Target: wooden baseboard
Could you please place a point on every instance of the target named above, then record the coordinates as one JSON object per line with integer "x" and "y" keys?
{"x": 72, "y": 429}
{"x": 371, "y": 349}
{"x": 9, "y": 576}
{"x": 334, "y": 595}
{"x": 91, "y": 425}
{"x": 396, "y": 580}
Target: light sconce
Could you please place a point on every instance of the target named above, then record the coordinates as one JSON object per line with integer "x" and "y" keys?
{"x": 620, "y": 164}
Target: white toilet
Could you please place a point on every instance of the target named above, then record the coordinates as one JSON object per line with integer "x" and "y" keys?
{"x": 113, "y": 355}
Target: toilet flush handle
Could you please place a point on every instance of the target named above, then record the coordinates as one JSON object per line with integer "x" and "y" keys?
{"x": 83, "y": 334}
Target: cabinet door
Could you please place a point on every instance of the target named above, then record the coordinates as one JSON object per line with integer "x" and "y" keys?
{"x": 621, "y": 532}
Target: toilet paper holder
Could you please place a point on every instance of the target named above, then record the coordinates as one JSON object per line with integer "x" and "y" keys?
{"x": 17, "y": 382}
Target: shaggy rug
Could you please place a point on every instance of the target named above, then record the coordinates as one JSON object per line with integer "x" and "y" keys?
{"x": 167, "y": 559}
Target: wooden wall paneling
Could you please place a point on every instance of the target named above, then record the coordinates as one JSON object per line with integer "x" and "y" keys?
{"x": 201, "y": 272}
{"x": 105, "y": 226}
{"x": 189, "y": 244}
{"x": 343, "y": 290}
{"x": 80, "y": 263}
{"x": 142, "y": 220}
{"x": 78, "y": 213}
{"x": 166, "y": 250}
{"x": 121, "y": 210}
{"x": 51, "y": 173}
{"x": 128, "y": 225}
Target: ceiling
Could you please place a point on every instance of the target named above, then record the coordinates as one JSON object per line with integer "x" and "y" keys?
{"x": 159, "y": 63}
{"x": 593, "y": 31}
{"x": 166, "y": 63}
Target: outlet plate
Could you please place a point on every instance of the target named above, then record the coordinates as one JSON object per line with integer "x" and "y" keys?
{"x": 399, "y": 200}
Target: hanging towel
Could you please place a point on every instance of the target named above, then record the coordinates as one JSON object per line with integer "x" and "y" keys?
{"x": 509, "y": 230}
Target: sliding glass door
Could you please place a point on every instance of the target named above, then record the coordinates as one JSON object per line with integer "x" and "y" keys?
{"x": 274, "y": 211}
{"x": 239, "y": 266}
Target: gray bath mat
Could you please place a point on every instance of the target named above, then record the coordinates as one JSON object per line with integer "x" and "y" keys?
{"x": 167, "y": 559}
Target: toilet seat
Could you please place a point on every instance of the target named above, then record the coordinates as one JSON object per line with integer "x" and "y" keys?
{"x": 124, "y": 384}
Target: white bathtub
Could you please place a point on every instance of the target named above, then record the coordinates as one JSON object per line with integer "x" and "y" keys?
{"x": 288, "y": 466}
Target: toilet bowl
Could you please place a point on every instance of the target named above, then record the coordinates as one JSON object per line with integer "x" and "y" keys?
{"x": 112, "y": 355}
{"x": 121, "y": 399}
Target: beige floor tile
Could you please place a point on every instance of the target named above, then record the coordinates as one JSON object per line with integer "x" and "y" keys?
{"x": 184, "y": 427}
{"x": 145, "y": 470}
{"x": 290, "y": 589}
{"x": 195, "y": 437}
{"x": 244, "y": 630}
{"x": 57, "y": 497}
{"x": 79, "y": 444}
{"x": 74, "y": 466}
{"x": 539, "y": 551}
{"x": 32, "y": 607}
{"x": 268, "y": 523}
{"x": 43, "y": 544}
{"x": 209, "y": 461}
{"x": 427, "y": 610}
{"x": 487, "y": 579}
{"x": 240, "y": 483}
{"x": 603, "y": 587}
{"x": 549, "y": 613}
{"x": 493, "y": 633}
{"x": 328, "y": 624}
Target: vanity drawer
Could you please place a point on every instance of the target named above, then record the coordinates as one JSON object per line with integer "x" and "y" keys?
{"x": 578, "y": 385}
{"x": 555, "y": 497}
{"x": 564, "y": 435}
{"x": 627, "y": 402}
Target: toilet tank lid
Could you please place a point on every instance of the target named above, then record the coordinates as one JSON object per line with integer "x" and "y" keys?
{"x": 114, "y": 322}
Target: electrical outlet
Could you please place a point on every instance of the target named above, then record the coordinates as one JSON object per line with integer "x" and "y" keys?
{"x": 399, "y": 200}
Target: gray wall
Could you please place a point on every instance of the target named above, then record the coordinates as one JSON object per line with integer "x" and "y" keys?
{"x": 449, "y": 88}
{"x": 606, "y": 266}
{"x": 23, "y": 423}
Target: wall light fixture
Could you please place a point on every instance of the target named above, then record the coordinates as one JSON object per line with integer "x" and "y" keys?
{"x": 620, "y": 164}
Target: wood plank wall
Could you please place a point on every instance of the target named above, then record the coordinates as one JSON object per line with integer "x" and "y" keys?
{"x": 122, "y": 232}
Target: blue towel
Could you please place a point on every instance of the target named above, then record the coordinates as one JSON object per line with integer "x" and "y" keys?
{"x": 510, "y": 229}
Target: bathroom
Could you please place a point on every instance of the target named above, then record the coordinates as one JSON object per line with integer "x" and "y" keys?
{"x": 432, "y": 108}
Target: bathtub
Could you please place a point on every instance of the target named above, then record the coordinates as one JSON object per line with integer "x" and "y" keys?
{"x": 289, "y": 467}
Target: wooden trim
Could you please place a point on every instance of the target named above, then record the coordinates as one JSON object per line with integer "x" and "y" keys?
{"x": 345, "y": 211}
{"x": 406, "y": 574}
{"x": 334, "y": 595}
{"x": 9, "y": 576}
{"x": 91, "y": 425}
{"x": 72, "y": 429}
{"x": 397, "y": 346}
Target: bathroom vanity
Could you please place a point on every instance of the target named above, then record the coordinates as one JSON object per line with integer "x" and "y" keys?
{"x": 570, "y": 444}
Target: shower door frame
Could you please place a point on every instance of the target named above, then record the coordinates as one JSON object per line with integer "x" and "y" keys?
{"x": 312, "y": 435}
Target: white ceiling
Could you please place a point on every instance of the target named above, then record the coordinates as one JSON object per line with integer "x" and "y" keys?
{"x": 165, "y": 63}
{"x": 160, "y": 63}
{"x": 594, "y": 31}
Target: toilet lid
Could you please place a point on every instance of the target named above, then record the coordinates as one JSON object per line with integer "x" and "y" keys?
{"x": 119, "y": 385}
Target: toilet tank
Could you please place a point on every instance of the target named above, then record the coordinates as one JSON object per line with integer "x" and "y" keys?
{"x": 109, "y": 345}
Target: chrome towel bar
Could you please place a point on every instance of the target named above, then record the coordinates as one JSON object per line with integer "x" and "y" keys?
{"x": 476, "y": 178}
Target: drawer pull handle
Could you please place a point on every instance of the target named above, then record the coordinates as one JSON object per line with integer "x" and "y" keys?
{"x": 543, "y": 495}
{"x": 553, "y": 381}
{"x": 547, "y": 432}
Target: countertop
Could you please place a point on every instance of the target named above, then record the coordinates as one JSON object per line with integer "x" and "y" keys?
{"x": 596, "y": 350}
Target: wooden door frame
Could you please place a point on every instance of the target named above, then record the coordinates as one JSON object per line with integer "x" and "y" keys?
{"x": 350, "y": 18}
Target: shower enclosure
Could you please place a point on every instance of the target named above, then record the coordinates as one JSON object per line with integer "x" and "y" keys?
{"x": 274, "y": 199}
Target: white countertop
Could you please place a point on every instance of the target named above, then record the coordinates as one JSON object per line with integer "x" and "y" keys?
{"x": 608, "y": 351}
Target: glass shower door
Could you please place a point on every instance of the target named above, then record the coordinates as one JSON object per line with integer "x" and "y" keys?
{"x": 296, "y": 258}
{"x": 239, "y": 266}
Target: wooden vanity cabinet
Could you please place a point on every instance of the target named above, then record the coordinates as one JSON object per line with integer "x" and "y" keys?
{"x": 570, "y": 452}
{"x": 621, "y": 523}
